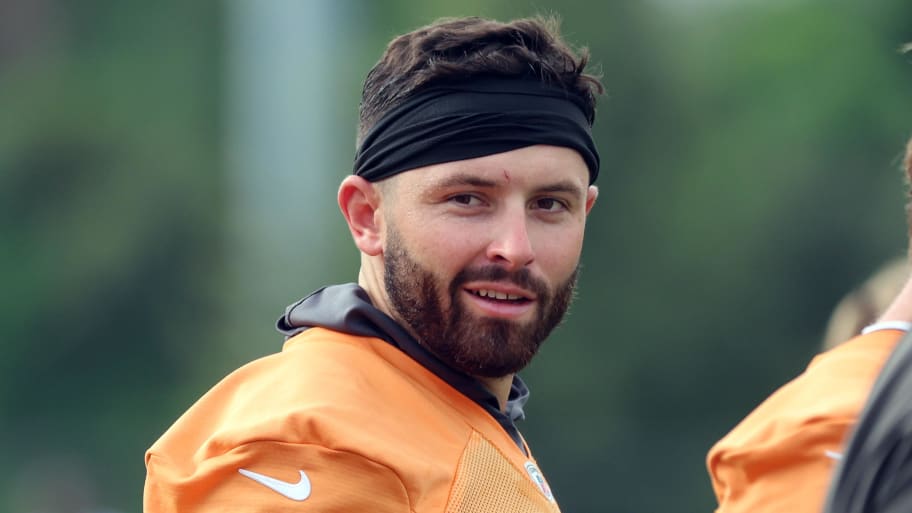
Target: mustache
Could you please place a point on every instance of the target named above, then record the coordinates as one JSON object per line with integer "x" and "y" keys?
{"x": 520, "y": 277}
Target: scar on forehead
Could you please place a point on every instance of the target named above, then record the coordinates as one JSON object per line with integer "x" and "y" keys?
{"x": 506, "y": 175}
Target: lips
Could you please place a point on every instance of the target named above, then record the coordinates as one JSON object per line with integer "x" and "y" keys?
{"x": 499, "y": 291}
{"x": 502, "y": 301}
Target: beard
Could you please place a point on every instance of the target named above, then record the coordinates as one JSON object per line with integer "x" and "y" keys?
{"x": 478, "y": 346}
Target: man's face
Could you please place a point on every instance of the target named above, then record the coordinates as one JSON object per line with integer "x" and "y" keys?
{"x": 480, "y": 256}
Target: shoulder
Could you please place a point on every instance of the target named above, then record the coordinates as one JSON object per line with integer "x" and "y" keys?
{"x": 834, "y": 385}
{"x": 798, "y": 430}
{"x": 860, "y": 358}
{"x": 322, "y": 389}
{"x": 316, "y": 371}
{"x": 349, "y": 406}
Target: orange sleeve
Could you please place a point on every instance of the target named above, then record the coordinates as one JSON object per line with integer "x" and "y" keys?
{"x": 276, "y": 477}
{"x": 782, "y": 455}
{"x": 791, "y": 473}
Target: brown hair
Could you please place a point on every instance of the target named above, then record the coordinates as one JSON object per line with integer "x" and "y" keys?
{"x": 907, "y": 168}
{"x": 907, "y": 161}
{"x": 465, "y": 47}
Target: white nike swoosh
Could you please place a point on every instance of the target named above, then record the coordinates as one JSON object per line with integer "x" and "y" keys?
{"x": 295, "y": 491}
{"x": 833, "y": 455}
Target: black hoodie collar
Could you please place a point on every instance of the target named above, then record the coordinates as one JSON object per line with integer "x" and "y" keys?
{"x": 347, "y": 308}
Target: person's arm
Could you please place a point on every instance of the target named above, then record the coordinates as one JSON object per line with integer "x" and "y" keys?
{"x": 875, "y": 473}
{"x": 272, "y": 476}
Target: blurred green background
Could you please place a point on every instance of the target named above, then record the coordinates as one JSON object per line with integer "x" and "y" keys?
{"x": 167, "y": 181}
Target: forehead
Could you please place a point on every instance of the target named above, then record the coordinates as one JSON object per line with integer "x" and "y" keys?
{"x": 538, "y": 166}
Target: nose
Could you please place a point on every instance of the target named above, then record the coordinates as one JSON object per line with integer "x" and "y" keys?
{"x": 510, "y": 244}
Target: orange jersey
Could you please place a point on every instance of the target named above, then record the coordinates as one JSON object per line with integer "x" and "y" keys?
{"x": 781, "y": 456}
{"x": 876, "y": 472}
{"x": 340, "y": 423}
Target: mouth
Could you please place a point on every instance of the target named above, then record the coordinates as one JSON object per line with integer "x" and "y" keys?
{"x": 496, "y": 295}
{"x": 501, "y": 301}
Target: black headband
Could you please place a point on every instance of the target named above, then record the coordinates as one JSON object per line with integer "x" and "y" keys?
{"x": 479, "y": 117}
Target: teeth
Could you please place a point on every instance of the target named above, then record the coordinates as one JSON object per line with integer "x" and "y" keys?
{"x": 497, "y": 295}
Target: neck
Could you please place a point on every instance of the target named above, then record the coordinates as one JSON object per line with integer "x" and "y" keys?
{"x": 500, "y": 387}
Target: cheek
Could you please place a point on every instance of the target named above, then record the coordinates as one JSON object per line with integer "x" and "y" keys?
{"x": 439, "y": 249}
{"x": 451, "y": 253}
{"x": 558, "y": 253}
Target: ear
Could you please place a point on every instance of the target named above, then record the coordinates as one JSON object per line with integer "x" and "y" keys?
{"x": 359, "y": 201}
{"x": 591, "y": 196}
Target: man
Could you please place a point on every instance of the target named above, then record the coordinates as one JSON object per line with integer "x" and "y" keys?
{"x": 471, "y": 187}
{"x": 875, "y": 474}
{"x": 783, "y": 455}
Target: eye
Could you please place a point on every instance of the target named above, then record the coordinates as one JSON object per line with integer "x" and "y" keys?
{"x": 469, "y": 200}
{"x": 549, "y": 204}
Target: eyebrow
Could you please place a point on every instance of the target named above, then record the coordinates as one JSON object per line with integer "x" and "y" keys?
{"x": 462, "y": 179}
{"x": 563, "y": 186}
